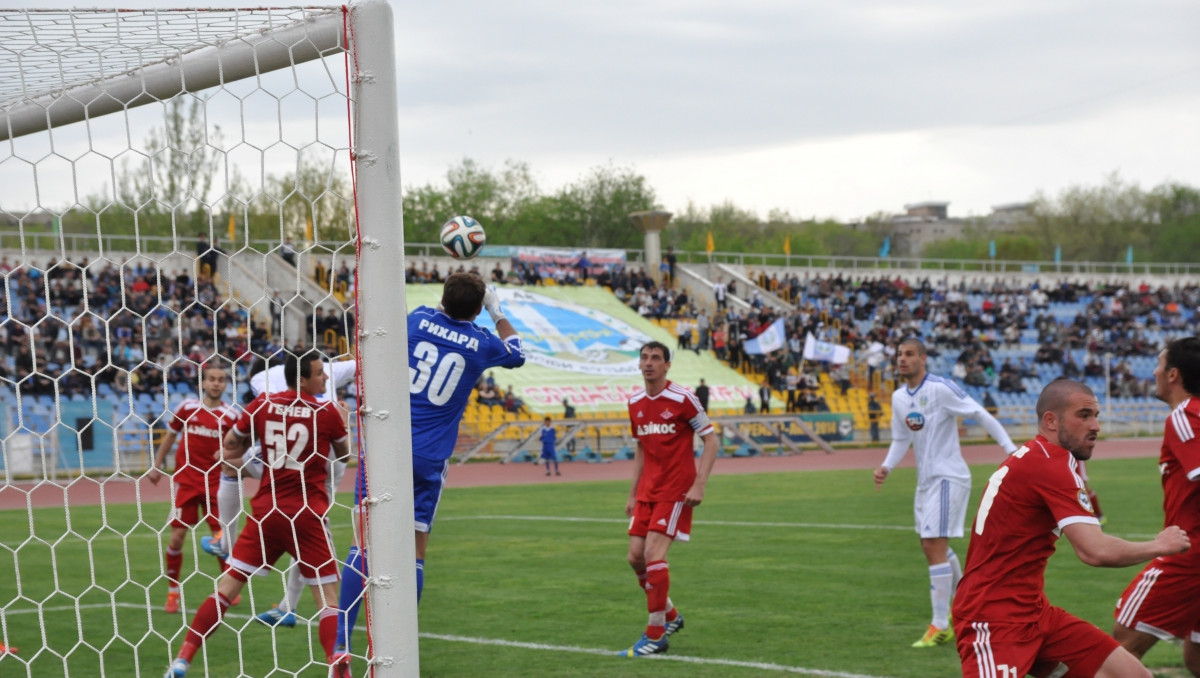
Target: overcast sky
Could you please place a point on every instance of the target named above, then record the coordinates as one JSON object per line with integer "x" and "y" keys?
{"x": 821, "y": 108}
{"x": 826, "y": 109}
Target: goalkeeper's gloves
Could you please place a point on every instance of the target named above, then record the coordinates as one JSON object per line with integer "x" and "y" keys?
{"x": 491, "y": 302}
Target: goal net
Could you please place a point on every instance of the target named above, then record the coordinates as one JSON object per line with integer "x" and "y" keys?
{"x": 186, "y": 189}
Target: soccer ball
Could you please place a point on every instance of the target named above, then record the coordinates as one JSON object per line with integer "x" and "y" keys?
{"x": 463, "y": 237}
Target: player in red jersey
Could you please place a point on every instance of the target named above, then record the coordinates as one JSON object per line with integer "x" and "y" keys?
{"x": 1005, "y": 625}
{"x": 298, "y": 434}
{"x": 202, "y": 423}
{"x": 1163, "y": 601}
{"x": 667, "y": 483}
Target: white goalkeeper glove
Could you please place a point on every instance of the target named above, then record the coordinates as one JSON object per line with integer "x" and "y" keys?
{"x": 491, "y": 302}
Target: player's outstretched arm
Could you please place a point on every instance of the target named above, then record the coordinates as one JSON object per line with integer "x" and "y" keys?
{"x": 704, "y": 467}
{"x": 996, "y": 430}
{"x": 1098, "y": 549}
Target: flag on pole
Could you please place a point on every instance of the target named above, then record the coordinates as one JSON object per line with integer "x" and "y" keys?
{"x": 787, "y": 245}
{"x": 823, "y": 350}
{"x": 709, "y": 246}
{"x": 232, "y": 227}
{"x": 1058, "y": 254}
{"x": 1129, "y": 255}
{"x": 308, "y": 230}
{"x": 886, "y": 249}
{"x": 771, "y": 339}
{"x": 992, "y": 249}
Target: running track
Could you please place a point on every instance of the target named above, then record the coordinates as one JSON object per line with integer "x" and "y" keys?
{"x": 92, "y": 491}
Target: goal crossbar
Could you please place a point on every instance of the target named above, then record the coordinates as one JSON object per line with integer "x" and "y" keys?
{"x": 73, "y": 94}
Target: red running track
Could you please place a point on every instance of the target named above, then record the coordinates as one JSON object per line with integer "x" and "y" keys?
{"x": 92, "y": 491}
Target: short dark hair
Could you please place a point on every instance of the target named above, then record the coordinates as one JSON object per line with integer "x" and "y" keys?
{"x": 297, "y": 367}
{"x": 659, "y": 345}
{"x": 1184, "y": 355}
{"x": 462, "y": 295}
{"x": 210, "y": 365}
{"x": 914, "y": 342}
{"x": 1054, "y": 397}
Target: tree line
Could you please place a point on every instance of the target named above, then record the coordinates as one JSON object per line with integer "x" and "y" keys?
{"x": 169, "y": 192}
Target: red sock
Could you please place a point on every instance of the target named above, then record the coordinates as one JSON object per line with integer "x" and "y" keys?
{"x": 658, "y": 582}
{"x": 641, "y": 579}
{"x": 327, "y": 630}
{"x": 203, "y": 624}
{"x": 174, "y": 563}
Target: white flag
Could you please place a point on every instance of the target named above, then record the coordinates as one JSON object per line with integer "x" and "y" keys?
{"x": 772, "y": 339}
{"x": 825, "y": 351}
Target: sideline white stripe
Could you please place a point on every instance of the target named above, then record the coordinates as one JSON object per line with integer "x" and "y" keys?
{"x": 762, "y": 666}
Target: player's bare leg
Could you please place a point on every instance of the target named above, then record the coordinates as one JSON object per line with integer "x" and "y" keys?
{"x": 1122, "y": 664}
{"x": 1136, "y": 642}
{"x": 1191, "y": 655}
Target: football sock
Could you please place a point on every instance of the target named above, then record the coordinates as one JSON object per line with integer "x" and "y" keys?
{"x": 658, "y": 582}
{"x": 672, "y": 613}
{"x": 940, "y": 577}
{"x": 420, "y": 578}
{"x": 174, "y": 563}
{"x": 327, "y": 629}
{"x": 203, "y": 624}
{"x": 293, "y": 590}
{"x": 350, "y": 595}
{"x": 641, "y": 577}
{"x": 956, "y": 569}
{"x": 229, "y": 505}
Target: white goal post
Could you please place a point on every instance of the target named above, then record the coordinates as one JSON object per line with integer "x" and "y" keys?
{"x": 128, "y": 138}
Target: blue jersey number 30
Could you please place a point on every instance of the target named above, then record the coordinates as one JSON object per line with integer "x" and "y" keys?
{"x": 436, "y": 375}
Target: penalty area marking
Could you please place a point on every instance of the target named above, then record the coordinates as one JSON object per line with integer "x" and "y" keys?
{"x": 718, "y": 523}
{"x": 761, "y": 666}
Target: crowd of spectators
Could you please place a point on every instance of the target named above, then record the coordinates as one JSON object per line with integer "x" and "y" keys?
{"x": 77, "y": 324}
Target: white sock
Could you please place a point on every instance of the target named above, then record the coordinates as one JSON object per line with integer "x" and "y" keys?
{"x": 229, "y": 505}
{"x": 291, "y": 592}
{"x": 940, "y": 577}
{"x": 956, "y": 568}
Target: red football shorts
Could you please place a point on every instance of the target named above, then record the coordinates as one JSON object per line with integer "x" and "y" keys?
{"x": 1012, "y": 650}
{"x": 304, "y": 536}
{"x": 1163, "y": 600}
{"x": 671, "y": 518}
{"x": 191, "y": 503}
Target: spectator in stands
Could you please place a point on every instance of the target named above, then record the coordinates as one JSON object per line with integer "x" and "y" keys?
{"x": 749, "y": 408}
{"x": 288, "y": 252}
{"x": 702, "y": 395}
{"x": 569, "y": 413}
{"x": 1070, "y": 368}
{"x": 512, "y": 403}
{"x": 764, "y": 397}
{"x": 841, "y": 376}
{"x": 720, "y": 338}
{"x": 720, "y": 293}
{"x": 989, "y": 403}
{"x": 584, "y": 266}
{"x": 874, "y": 412}
{"x": 488, "y": 395}
{"x": 683, "y": 333}
{"x": 670, "y": 260}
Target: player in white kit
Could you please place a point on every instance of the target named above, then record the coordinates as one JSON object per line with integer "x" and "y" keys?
{"x": 229, "y": 494}
{"x": 924, "y": 416}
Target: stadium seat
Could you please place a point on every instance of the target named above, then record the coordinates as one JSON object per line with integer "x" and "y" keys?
{"x": 624, "y": 453}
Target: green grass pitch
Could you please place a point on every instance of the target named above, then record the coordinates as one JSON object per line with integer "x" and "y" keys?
{"x": 808, "y": 573}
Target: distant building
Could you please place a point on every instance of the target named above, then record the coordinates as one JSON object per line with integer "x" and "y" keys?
{"x": 928, "y": 222}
